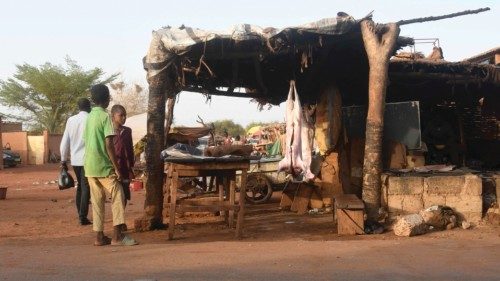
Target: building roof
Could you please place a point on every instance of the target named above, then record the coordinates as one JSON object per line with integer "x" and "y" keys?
{"x": 484, "y": 56}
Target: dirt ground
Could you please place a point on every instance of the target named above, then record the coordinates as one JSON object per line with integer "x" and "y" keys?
{"x": 40, "y": 239}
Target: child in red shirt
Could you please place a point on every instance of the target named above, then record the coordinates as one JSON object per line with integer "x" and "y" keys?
{"x": 124, "y": 150}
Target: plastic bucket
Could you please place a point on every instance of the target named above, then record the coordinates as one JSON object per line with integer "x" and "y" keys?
{"x": 3, "y": 193}
{"x": 136, "y": 185}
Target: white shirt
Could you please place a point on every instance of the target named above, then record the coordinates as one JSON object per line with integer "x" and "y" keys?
{"x": 72, "y": 140}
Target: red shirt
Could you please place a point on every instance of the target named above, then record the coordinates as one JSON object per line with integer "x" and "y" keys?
{"x": 124, "y": 150}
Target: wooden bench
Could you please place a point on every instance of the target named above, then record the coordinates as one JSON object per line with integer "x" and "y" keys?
{"x": 349, "y": 212}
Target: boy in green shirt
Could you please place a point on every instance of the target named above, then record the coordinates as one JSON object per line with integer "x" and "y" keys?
{"x": 102, "y": 171}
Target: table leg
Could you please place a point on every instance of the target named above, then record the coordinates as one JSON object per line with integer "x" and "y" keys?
{"x": 173, "y": 202}
{"x": 220, "y": 188}
{"x": 241, "y": 212}
{"x": 232, "y": 191}
{"x": 225, "y": 188}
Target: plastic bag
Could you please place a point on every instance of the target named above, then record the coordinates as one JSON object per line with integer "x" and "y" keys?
{"x": 65, "y": 180}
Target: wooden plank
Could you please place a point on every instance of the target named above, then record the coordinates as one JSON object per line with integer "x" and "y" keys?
{"x": 232, "y": 190}
{"x": 173, "y": 200}
{"x": 191, "y": 202}
{"x": 348, "y": 201}
{"x": 350, "y": 222}
{"x": 209, "y": 208}
{"x": 301, "y": 200}
{"x": 241, "y": 212}
{"x": 212, "y": 166}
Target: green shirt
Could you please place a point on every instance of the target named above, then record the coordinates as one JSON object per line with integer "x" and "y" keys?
{"x": 98, "y": 126}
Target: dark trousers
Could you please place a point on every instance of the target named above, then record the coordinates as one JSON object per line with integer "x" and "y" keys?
{"x": 82, "y": 193}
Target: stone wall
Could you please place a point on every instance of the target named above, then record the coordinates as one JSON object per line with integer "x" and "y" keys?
{"x": 403, "y": 195}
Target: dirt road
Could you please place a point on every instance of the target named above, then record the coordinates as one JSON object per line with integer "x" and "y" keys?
{"x": 40, "y": 239}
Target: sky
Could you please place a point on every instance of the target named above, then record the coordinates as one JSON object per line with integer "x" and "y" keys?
{"x": 115, "y": 35}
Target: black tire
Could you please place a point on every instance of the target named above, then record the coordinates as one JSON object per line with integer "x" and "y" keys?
{"x": 259, "y": 189}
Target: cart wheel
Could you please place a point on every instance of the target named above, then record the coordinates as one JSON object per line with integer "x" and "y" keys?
{"x": 259, "y": 189}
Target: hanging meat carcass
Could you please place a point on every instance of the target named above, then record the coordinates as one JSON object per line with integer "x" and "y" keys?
{"x": 297, "y": 160}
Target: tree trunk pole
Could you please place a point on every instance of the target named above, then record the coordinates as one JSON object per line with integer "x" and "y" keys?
{"x": 379, "y": 43}
{"x": 153, "y": 205}
{"x": 169, "y": 117}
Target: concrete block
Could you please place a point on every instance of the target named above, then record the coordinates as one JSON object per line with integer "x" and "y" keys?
{"x": 404, "y": 204}
{"x": 405, "y": 185}
{"x": 473, "y": 185}
{"x": 433, "y": 199}
{"x": 444, "y": 184}
{"x": 465, "y": 203}
{"x": 412, "y": 204}
{"x": 395, "y": 204}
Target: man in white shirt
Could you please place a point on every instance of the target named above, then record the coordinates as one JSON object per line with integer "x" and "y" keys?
{"x": 72, "y": 144}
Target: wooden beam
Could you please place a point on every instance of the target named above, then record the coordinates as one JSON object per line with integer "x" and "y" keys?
{"x": 434, "y": 18}
{"x": 216, "y": 92}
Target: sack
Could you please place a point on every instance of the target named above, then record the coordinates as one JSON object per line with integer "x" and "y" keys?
{"x": 65, "y": 180}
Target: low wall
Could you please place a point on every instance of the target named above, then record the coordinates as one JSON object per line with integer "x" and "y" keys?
{"x": 36, "y": 150}
{"x": 54, "y": 143}
{"x": 403, "y": 195}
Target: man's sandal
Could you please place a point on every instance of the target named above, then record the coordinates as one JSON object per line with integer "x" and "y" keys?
{"x": 126, "y": 241}
{"x": 105, "y": 241}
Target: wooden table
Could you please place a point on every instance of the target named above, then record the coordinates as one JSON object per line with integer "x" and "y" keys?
{"x": 224, "y": 171}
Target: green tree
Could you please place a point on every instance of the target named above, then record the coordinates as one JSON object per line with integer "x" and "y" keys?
{"x": 46, "y": 95}
{"x": 232, "y": 128}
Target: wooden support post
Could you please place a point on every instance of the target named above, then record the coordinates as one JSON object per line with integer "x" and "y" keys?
{"x": 153, "y": 205}
{"x": 379, "y": 41}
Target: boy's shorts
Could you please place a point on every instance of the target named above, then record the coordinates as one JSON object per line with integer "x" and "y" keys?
{"x": 126, "y": 188}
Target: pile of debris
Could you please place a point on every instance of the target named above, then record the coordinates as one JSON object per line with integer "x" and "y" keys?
{"x": 436, "y": 217}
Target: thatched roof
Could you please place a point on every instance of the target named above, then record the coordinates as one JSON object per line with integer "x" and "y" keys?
{"x": 452, "y": 72}
{"x": 264, "y": 60}
{"x": 261, "y": 60}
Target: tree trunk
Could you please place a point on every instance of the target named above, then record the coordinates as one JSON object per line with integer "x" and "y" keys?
{"x": 169, "y": 117}
{"x": 153, "y": 205}
{"x": 379, "y": 43}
